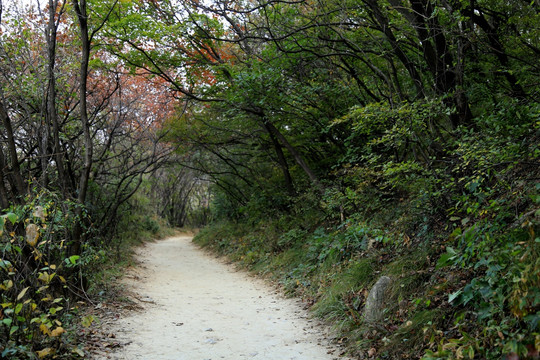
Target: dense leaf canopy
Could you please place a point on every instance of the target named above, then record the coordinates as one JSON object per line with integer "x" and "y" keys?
{"x": 348, "y": 126}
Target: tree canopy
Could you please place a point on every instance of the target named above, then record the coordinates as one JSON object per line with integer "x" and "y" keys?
{"x": 419, "y": 117}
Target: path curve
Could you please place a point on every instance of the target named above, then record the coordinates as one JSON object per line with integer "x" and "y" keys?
{"x": 198, "y": 308}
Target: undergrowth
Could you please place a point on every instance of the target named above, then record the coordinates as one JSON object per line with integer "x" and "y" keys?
{"x": 456, "y": 230}
{"x": 44, "y": 288}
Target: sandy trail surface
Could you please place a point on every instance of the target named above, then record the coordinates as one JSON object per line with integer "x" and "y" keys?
{"x": 198, "y": 308}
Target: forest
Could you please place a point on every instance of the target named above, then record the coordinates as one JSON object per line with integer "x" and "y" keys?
{"x": 321, "y": 144}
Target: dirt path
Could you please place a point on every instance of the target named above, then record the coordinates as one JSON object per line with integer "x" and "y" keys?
{"x": 197, "y": 308}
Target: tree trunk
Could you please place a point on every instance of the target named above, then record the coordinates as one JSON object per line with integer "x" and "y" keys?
{"x": 281, "y": 160}
{"x": 4, "y": 197}
{"x": 496, "y": 47}
{"x": 439, "y": 59}
{"x": 296, "y": 155}
{"x": 386, "y": 29}
{"x": 51, "y": 95}
{"x": 82, "y": 16}
{"x": 18, "y": 182}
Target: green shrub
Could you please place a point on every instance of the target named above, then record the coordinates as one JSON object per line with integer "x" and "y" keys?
{"x": 38, "y": 276}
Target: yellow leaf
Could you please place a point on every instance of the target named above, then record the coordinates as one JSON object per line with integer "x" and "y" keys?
{"x": 6, "y": 285}
{"x": 45, "y": 277}
{"x": 58, "y": 331}
{"x": 62, "y": 279}
{"x": 53, "y": 267}
{"x": 45, "y": 352}
{"x": 44, "y": 329}
{"x": 87, "y": 321}
{"x": 22, "y": 293}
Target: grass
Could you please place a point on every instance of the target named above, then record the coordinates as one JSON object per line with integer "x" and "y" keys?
{"x": 459, "y": 289}
{"x": 336, "y": 286}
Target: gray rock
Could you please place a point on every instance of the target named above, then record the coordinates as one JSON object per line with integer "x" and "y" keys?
{"x": 376, "y": 300}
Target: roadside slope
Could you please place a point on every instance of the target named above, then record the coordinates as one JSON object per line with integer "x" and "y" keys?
{"x": 196, "y": 307}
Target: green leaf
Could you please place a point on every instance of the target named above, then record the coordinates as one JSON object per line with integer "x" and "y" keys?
{"x": 78, "y": 352}
{"x": 73, "y": 259}
{"x": 5, "y": 264}
{"x": 444, "y": 260}
{"x": 12, "y": 217}
{"x": 18, "y": 308}
{"x": 453, "y": 296}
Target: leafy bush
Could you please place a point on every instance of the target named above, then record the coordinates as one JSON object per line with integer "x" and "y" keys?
{"x": 451, "y": 215}
{"x": 38, "y": 277}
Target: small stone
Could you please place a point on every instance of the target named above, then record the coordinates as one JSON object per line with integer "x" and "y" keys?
{"x": 32, "y": 234}
{"x": 376, "y": 300}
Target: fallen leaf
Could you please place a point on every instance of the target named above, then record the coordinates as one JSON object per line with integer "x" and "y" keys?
{"x": 58, "y": 331}
{"x": 44, "y": 329}
{"x": 87, "y": 321}
{"x": 45, "y": 352}
{"x": 78, "y": 352}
